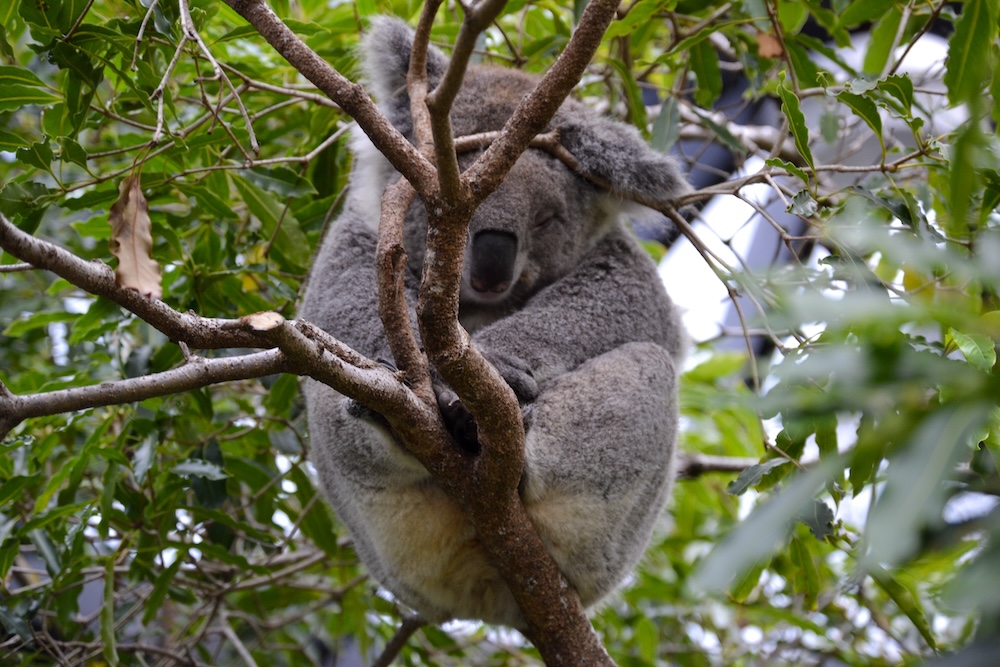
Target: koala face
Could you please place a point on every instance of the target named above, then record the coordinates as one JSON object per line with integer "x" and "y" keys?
{"x": 532, "y": 230}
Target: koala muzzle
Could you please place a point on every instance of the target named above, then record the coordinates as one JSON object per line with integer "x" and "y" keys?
{"x": 492, "y": 261}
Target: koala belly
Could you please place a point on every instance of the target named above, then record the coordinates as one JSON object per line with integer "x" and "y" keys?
{"x": 428, "y": 555}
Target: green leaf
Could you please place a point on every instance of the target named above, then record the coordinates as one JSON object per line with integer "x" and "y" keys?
{"x": 752, "y": 475}
{"x": 38, "y": 155}
{"x": 803, "y": 204}
{"x": 705, "y": 65}
{"x": 108, "y": 638}
{"x": 964, "y": 179}
{"x": 755, "y": 538}
{"x": 901, "y": 87}
{"x": 819, "y": 519}
{"x": 968, "y": 65}
{"x": 914, "y": 490}
{"x": 866, "y": 110}
{"x": 19, "y": 76}
{"x": 863, "y": 11}
{"x": 22, "y": 325}
{"x": 747, "y": 582}
{"x": 907, "y": 601}
{"x": 978, "y": 349}
{"x": 11, "y": 488}
{"x": 277, "y": 223}
{"x": 666, "y": 127}
{"x": 805, "y": 578}
{"x": 73, "y": 152}
{"x": 792, "y": 169}
{"x": 638, "y": 14}
{"x": 796, "y": 120}
{"x": 103, "y": 315}
{"x": 161, "y": 587}
{"x": 883, "y": 36}
{"x": 636, "y": 106}
{"x": 647, "y": 638}
{"x": 14, "y": 97}
{"x": 46, "y": 550}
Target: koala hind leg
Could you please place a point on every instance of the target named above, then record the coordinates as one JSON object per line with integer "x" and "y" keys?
{"x": 599, "y": 463}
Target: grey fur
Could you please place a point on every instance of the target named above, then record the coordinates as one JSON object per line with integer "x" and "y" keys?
{"x": 584, "y": 334}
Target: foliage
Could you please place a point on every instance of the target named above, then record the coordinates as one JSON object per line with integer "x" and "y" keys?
{"x": 875, "y": 419}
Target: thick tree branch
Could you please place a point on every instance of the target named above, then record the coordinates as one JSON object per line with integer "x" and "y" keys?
{"x": 394, "y": 310}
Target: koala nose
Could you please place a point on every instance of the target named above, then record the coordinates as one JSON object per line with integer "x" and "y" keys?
{"x": 493, "y": 257}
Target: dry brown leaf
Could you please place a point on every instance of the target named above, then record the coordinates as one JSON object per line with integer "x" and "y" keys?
{"x": 768, "y": 46}
{"x": 132, "y": 240}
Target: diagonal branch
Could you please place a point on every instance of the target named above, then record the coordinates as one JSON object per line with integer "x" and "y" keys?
{"x": 351, "y": 96}
{"x": 538, "y": 108}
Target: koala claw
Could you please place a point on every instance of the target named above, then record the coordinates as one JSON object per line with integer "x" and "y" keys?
{"x": 459, "y": 421}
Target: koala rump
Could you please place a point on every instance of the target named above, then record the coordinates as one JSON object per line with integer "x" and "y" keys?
{"x": 568, "y": 308}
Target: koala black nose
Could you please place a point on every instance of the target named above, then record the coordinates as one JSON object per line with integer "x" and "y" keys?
{"x": 493, "y": 257}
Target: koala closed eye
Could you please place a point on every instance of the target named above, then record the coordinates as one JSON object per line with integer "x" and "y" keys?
{"x": 562, "y": 301}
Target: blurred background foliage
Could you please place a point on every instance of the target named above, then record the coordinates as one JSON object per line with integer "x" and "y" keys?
{"x": 860, "y": 371}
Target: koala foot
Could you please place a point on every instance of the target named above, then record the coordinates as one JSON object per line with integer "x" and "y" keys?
{"x": 459, "y": 421}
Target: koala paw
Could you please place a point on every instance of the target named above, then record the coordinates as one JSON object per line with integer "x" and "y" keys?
{"x": 517, "y": 374}
{"x": 459, "y": 421}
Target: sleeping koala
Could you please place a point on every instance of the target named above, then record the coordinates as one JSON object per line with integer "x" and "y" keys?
{"x": 570, "y": 310}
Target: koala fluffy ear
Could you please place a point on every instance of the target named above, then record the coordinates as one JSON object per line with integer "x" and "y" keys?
{"x": 617, "y": 153}
{"x": 385, "y": 59}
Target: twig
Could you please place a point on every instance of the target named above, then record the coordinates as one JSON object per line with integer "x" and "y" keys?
{"x": 406, "y": 629}
{"x": 14, "y": 268}
{"x": 191, "y": 33}
{"x": 691, "y": 465}
{"x": 142, "y": 30}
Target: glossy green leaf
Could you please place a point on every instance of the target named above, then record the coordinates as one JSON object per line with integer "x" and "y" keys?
{"x": 978, "y": 349}
{"x": 865, "y": 109}
{"x": 796, "y": 120}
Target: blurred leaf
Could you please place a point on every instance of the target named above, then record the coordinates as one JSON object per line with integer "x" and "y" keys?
{"x": 819, "y": 519}
{"x": 199, "y": 468}
{"x": 914, "y": 491}
{"x": 756, "y": 537}
{"x": 666, "y": 126}
{"x": 905, "y": 600}
{"x": 108, "y": 637}
{"x": 978, "y": 349}
{"x": 752, "y": 475}
{"x": 968, "y": 67}
{"x": 705, "y": 64}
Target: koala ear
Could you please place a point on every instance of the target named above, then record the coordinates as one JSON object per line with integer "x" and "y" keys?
{"x": 385, "y": 59}
{"x": 617, "y": 153}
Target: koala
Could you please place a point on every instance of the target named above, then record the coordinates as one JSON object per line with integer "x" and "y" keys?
{"x": 561, "y": 300}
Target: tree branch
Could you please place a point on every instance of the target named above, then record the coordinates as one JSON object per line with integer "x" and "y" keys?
{"x": 351, "y": 96}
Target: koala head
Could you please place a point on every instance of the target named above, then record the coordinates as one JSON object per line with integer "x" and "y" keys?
{"x": 544, "y": 217}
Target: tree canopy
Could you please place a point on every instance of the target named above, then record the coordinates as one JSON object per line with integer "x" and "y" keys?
{"x": 157, "y": 504}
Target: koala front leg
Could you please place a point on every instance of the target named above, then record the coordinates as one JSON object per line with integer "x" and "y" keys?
{"x": 600, "y": 462}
